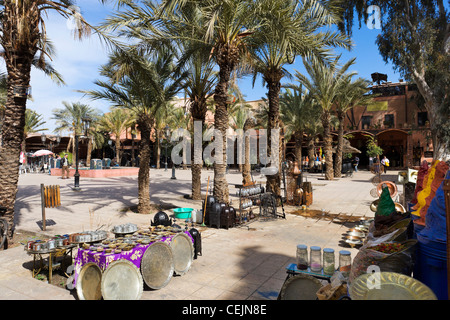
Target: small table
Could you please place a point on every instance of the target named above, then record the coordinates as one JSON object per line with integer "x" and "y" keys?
{"x": 292, "y": 270}
{"x": 52, "y": 254}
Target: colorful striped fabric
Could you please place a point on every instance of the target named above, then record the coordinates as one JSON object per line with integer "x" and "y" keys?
{"x": 431, "y": 183}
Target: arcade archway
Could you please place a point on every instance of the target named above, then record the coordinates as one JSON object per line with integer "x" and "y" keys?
{"x": 394, "y": 145}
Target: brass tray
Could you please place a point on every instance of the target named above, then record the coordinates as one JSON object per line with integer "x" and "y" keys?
{"x": 157, "y": 265}
{"x": 183, "y": 253}
{"x": 389, "y": 286}
{"x": 300, "y": 287}
{"x": 122, "y": 281}
{"x": 88, "y": 282}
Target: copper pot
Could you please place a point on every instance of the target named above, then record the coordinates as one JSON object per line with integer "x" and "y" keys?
{"x": 295, "y": 170}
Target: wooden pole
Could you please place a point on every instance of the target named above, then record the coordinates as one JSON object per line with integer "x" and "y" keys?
{"x": 446, "y": 188}
{"x": 43, "y": 205}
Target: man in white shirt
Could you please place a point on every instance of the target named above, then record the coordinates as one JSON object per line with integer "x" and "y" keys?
{"x": 385, "y": 163}
{"x": 65, "y": 166}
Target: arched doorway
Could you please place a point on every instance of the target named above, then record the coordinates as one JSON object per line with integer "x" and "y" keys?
{"x": 394, "y": 145}
{"x": 358, "y": 140}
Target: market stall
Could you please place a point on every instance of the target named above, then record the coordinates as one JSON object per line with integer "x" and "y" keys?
{"x": 401, "y": 253}
{"x": 146, "y": 256}
{"x": 118, "y": 267}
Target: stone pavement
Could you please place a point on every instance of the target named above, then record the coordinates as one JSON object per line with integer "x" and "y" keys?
{"x": 240, "y": 263}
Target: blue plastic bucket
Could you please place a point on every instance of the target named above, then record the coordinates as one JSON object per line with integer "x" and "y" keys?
{"x": 431, "y": 265}
{"x": 182, "y": 213}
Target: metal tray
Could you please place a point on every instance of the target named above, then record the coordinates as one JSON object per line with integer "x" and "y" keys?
{"x": 183, "y": 253}
{"x": 122, "y": 281}
{"x": 389, "y": 286}
{"x": 157, "y": 265}
{"x": 89, "y": 282}
{"x": 300, "y": 287}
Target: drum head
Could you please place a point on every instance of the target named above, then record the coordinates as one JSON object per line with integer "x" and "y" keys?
{"x": 157, "y": 265}
{"x": 89, "y": 282}
{"x": 183, "y": 253}
{"x": 300, "y": 287}
{"x": 122, "y": 281}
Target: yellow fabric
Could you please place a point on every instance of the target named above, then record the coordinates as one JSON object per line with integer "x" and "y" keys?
{"x": 422, "y": 195}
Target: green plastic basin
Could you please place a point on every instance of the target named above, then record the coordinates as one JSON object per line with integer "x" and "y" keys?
{"x": 182, "y": 213}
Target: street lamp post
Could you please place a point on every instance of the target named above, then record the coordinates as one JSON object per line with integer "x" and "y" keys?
{"x": 85, "y": 123}
{"x": 167, "y": 132}
{"x": 76, "y": 185}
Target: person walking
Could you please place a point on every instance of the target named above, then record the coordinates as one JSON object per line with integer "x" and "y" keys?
{"x": 65, "y": 166}
{"x": 356, "y": 163}
{"x": 51, "y": 164}
{"x": 385, "y": 163}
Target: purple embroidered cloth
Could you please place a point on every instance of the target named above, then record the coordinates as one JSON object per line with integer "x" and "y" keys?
{"x": 102, "y": 259}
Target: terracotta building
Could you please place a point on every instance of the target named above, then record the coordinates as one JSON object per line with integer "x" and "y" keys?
{"x": 397, "y": 121}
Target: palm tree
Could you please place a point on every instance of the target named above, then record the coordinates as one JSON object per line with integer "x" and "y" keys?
{"x": 324, "y": 85}
{"x": 70, "y": 118}
{"x": 199, "y": 87}
{"x": 293, "y": 29}
{"x": 116, "y": 122}
{"x": 33, "y": 123}
{"x": 24, "y": 41}
{"x": 351, "y": 94}
{"x": 144, "y": 84}
{"x": 224, "y": 32}
{"x": 296, "y": 109}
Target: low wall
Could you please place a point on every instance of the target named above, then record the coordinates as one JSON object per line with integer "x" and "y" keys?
{"x": 99, "y": 173}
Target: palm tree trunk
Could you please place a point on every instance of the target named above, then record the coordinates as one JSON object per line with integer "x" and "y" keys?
{"x": 118, "y": 149}
{"x": 273, "y": 83}
{"x": 311, "y": 147}
{"x": 340, "y": 144}
{"x": 197, "y": 164}
{"x": 227, "y": 57}
{"x": 246, "y": 170}
{"x": 12, "y": 134}
{"x": 298, "y": 147}
{"x": 18, "y": 55}
{"x": 158, "y": 150}
{"x": 327, "y": 145}
{"x": 89, "y": 151}
{"x": 144, "y": 126}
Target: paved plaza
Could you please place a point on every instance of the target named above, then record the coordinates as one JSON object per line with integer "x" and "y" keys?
{"x": 243, "y": 263}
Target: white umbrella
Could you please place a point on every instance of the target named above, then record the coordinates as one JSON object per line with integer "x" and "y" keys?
{"x": 42, "y": 152}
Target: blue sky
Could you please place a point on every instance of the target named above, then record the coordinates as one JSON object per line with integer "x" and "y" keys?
{"x": 79, "y": 62}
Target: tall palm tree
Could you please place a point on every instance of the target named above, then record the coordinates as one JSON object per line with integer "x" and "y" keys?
{"x": 293, "y": 28}
{"x": 224, "y": 31}
{"x": 296, "y": 113}
{"x": 351, "y": 94}
{"x": 324, "y": 85}
{"x": 70, "y": 118}
{"x": 116, "y": 122}
{"x": 144, "y": 84}
{"x": 33, "y": 123}
{"x": 240, "y": 112}
{"x": 199, "y": 86}
{"x": 24, "y": 41}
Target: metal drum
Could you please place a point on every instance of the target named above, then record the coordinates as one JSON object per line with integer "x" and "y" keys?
{"x": 183, "y": 253}
{"x": 122, "y": 281}
{"x": 157, "y": 265}
{"x": 89, "y": 282}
